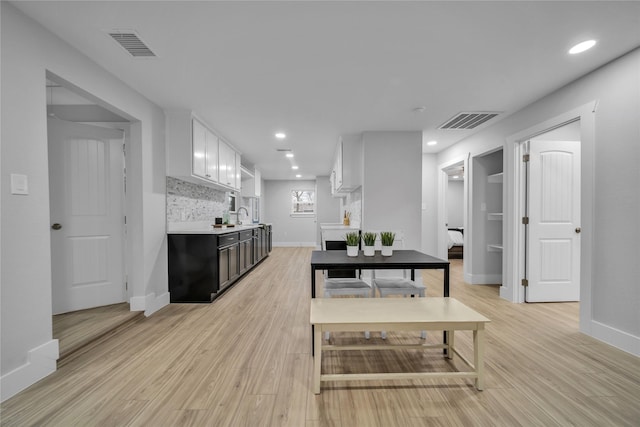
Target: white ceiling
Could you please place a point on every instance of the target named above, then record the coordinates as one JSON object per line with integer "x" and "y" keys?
{"x": 317, "y": 70}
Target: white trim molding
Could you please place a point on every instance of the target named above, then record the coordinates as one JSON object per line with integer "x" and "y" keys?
{"x": 483, "y": 279}
{"x": 41, "y": 362}
{"x": 615, "y": 337}
{"x": 149, "y": 303}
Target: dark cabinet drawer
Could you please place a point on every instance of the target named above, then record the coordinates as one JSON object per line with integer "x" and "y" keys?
{"x": 227, "y": 239}
{"x": 246, "y": 235}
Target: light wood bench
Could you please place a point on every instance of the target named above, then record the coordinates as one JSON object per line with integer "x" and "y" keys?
{"x": 396, "y": 314}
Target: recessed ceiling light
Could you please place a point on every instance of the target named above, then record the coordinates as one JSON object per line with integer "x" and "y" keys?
{"x": 281, "y": 135}
{"x": 456, "y": 177}
{"x": 418, "y": 110}
{"x": 432, "y": 142}
{"x": 581, "y": 47}
{"x": 294, "y": 167}
{"x": 298, "y": 176}
{"x": 289, "y": 154}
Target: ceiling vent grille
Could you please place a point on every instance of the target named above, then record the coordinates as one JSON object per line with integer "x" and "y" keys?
{"x": 467, "y": 120}
{"x": 132, "y": 43}
{"x": 283, "y": 149}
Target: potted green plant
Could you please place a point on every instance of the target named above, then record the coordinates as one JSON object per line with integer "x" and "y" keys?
{"x": 353, "y": 239}
{"x": 386, "y": 238}
{"x": 369, "y": 240}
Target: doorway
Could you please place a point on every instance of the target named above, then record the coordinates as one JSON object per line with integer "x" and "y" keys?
{"x": 552, "y": 212}
{"x": 87, "y": 211}
{"x": 515, "y": 188}
{"x": 455, "y": 208}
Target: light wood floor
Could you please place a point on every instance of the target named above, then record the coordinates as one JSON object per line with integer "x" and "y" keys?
{"x": 78, "y": 329}
{"x": 245, "y": 361}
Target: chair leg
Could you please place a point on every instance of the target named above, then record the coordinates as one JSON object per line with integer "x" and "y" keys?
{"x": 383, "y": 334}
{"x": 367, "y": 334}
{"x": 326, "y": 335}
{"x": 423, "y": 335}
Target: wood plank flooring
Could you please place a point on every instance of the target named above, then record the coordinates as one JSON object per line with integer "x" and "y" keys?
{"x": 77, "y": 329}
{"x": 245, "y": 360}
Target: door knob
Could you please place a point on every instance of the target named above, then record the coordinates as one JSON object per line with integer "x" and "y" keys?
{"x": 56, "y": 226}
{"x": 578, "y": 229}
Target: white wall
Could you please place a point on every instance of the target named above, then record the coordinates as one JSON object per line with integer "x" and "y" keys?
{"x": 328, "y": 208}
{"x": 610, "y": 178}
{"x": 429, "y": 204}
{"x": 28, "y": 351}
{"x": 288, "y": 230}
{"x": 392, "y": 187}
{"x": 455, "y": 203}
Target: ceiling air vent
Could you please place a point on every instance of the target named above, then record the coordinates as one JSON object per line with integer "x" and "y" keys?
{"x": 467, "y": 120}
{"x": 132, "y": 43}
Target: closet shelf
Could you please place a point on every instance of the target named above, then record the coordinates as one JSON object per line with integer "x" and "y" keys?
{"x": 496, "y": 178}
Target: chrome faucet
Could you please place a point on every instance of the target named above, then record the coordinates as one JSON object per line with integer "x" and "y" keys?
{"x": 238, "y": 222}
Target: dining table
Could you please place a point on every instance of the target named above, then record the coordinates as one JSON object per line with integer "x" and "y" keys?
{"x": 401, "y": 259}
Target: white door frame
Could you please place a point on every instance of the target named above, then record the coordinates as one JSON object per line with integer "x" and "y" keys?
{"x": 514, "y": 256}
{"x": 443, "y": 181}
{"x": 131, "y": 204}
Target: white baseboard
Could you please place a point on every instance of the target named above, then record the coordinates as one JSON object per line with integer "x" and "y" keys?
{"x": 483, "y": 279}
{"x": 506, "y": 293}
{"x": 149, "y": 303}
{"x": 615, "y": 337}
{"x": 156, "y": 303}
{"x": 295, "y": 244}
{"x": 41, "y": 362}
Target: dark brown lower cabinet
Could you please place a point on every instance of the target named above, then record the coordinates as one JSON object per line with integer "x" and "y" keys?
{"x": 203, "y": 266}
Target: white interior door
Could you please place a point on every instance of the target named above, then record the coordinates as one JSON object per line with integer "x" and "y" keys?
{"x": 86, "y": 184}
{"x": 554, "y": 221}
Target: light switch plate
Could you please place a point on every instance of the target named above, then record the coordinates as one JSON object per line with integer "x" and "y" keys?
{"x": 19, "y": 184}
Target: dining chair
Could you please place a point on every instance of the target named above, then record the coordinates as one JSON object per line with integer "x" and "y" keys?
{"x": 347, "y": 287}
{"x": 397, "y": 282}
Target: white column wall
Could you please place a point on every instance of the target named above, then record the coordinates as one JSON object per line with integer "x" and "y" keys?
{"x": 392, "y": 186}
{"x": 288, "y": 230}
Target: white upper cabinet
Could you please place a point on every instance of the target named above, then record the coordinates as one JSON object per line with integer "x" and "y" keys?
{"x": 205, "y": 152}
{"x": 346, "y": 175}
{"x": 196, "y": 154}
{"x": 251, "y": 184}
{"x": 229, "y": 166}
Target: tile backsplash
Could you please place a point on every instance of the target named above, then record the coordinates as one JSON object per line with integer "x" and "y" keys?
{"x": 187, "y": 202}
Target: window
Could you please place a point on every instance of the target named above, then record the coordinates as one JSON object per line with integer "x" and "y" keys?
{"x": 303, "y": 202}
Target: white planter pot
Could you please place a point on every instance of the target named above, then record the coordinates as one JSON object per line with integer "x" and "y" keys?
{"x": 387, "y": 250}
{"x": 369, "y": 251}
{"x": 352, "y": 251}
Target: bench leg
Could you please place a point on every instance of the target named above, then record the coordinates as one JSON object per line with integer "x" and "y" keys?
{"x": 478, "y": 356}
{"x": 450, "y": 338}
{"x": 317, "y": 359}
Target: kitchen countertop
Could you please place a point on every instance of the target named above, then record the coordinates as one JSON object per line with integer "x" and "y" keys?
{"x": 338, "y": 226}
{"x": 207, "y": 228}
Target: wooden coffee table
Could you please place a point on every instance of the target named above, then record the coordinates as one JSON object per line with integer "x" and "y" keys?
{"x": 397, "y": 314}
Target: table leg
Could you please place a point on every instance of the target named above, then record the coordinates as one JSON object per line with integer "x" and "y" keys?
{"x": 446, "y": 294}
{"x": 478, "y": 356}
{"x": 450, "y": 335}
{"x": 317, "y": 360}
{"x": 313, "y": 295}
